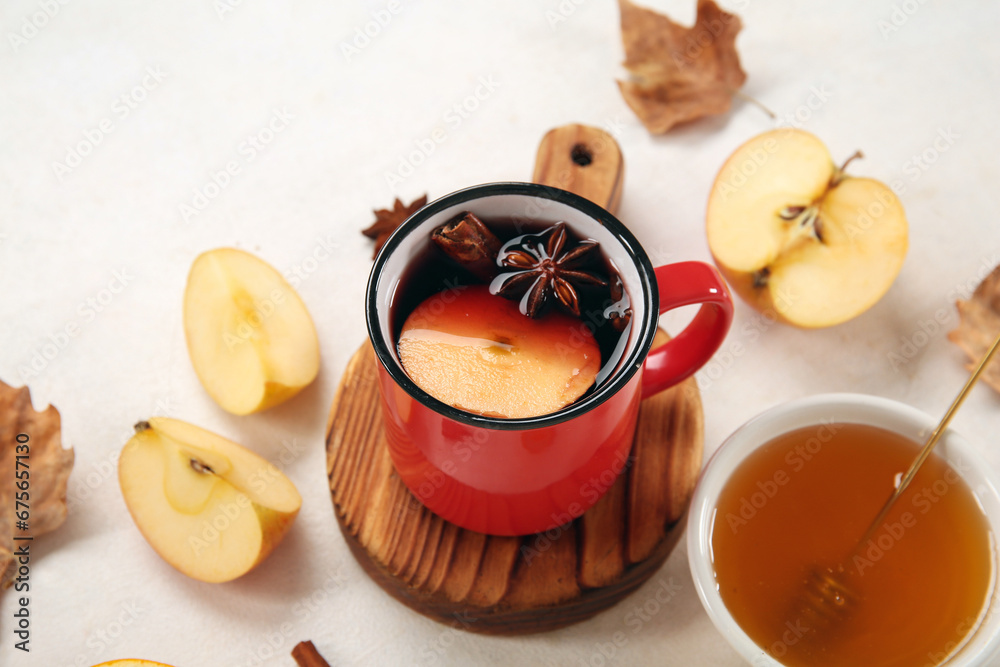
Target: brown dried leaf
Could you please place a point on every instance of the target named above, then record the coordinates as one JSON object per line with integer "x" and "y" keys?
{"x": 679, "y": 74}
{"x": 387, "y": 219}
{"x": 48, "y": 469}
{"x": 979, "y": 324}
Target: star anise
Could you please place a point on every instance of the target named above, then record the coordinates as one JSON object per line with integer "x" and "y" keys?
{"x": 542, "y": 269}
{"x": 387, "y": 219}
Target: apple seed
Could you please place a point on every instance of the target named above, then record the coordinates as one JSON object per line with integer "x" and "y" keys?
{"x": 791, "y": 212}
{"x": 198, "y": 466}
{"x": 760, "y": 277}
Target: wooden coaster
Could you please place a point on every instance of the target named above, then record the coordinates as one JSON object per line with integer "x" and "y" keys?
{"x": 511, "y": 585}
{"x": 519, "y": 585}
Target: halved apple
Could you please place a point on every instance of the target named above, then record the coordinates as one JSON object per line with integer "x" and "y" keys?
{"x": 794, "y": 235}
{"x": 208, "y": 506}
{"x": 252, "y": 342}
{"x": 475, "y": 351}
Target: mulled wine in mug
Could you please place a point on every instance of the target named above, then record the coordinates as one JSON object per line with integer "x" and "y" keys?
{"x": 513, "y": 324}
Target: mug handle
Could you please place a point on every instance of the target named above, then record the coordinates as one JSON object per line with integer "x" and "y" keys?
{"x": 684, "y": 284}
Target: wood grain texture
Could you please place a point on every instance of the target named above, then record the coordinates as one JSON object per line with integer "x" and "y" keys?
{"x": 511, "y": 585}
{"x": 519, "y": 585}
{"x": 583, "y": 160}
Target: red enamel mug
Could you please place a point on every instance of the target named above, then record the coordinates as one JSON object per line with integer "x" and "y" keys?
{"x": 522, "y": 476}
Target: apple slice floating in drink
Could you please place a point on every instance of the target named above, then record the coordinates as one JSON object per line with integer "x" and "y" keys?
{"x": 477, "y": 352}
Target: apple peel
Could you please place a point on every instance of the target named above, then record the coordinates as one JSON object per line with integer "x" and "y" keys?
{"x": 796, "y": 236}
{"x": 49, "y": 470}
{"x": 979, "y": 323}
{"x": 679, "y": 74}
{"x": 250, "y": 337}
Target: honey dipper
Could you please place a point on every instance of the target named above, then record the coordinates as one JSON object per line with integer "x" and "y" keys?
{"x": 825, "y": 596}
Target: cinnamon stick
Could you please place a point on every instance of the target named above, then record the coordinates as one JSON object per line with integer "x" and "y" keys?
{"x": 470, "y": 243}
{"x": 306, "y": 655}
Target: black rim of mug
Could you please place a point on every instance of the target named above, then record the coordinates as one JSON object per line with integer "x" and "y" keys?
{"x": 627, "y": 368}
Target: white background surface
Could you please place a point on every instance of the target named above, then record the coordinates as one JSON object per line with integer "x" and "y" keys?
{"x": 314, "y": 185}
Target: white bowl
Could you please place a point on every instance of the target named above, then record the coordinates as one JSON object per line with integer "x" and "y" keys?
{"x": 982, "y": 645}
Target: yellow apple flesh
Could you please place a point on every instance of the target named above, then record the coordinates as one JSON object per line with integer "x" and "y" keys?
{"x": 132, "y": 663}
{"x": 208, "y": 506}
{"x": 797, "y": 237}
{"x": 251, "y": 340}
{"x": 475, "y": 351}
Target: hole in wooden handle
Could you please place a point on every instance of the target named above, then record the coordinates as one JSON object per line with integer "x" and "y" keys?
{"x": 581, "y": 155}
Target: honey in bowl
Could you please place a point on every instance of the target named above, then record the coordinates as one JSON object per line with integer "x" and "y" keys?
{"x": 803, "y": 501}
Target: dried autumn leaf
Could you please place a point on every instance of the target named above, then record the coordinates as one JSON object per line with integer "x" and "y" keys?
{"x": 679, "y": 74}
{"x": 979, "y": 324}
{"x": 48, "y": 469}
{"x": 387, "y": 219}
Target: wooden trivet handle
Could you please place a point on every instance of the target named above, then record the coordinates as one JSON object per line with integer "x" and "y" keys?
{"x": 584, "y": 160}
{"x": 533, "y": 583}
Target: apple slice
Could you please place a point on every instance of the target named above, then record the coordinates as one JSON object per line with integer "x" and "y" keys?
{"x": 208, "y": 506}
{"x": 129, "y": 662}
{"x": 251, "y": 340}
{"x": 796, "y": 236}
{"x": 475, "y": 351}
